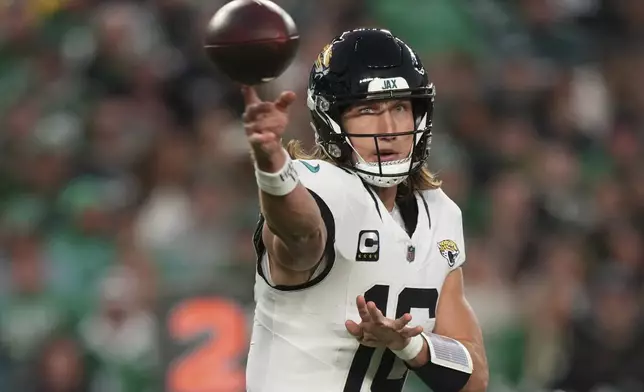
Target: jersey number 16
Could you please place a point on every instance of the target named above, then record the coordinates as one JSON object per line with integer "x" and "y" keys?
{"x": 407, "y": 299}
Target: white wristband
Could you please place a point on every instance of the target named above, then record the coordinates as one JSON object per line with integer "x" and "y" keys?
{"x": 280, "y": 183}
{"x": 412, "y": 349}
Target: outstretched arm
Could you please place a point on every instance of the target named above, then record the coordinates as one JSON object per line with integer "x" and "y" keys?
{"x": 294, "y": 232}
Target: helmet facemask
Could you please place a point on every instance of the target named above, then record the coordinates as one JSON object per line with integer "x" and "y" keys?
{"x": 328, "y": 114}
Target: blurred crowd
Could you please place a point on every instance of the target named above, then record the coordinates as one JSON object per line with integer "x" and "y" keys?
{"x": 128, "y": 200}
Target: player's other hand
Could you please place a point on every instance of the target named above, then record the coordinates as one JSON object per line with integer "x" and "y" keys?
{"x": 376, "y": 330}
{"x": 265, "y": 123}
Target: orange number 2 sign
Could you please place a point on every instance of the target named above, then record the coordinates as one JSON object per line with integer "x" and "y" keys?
{"x": 209, "y": 367}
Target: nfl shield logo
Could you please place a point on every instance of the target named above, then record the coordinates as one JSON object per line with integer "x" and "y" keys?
{"x": 411, "y": 253}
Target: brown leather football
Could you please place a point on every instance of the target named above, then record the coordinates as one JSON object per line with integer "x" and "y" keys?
{"x": 251, "y": 41}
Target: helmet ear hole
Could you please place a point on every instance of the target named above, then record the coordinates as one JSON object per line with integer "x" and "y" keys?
{"x": 339, "y": 149}
{"x": 334, "y": 151}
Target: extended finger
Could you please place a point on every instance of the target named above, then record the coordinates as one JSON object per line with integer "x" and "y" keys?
{"x": 285, "y": 100}
{"x": 375, "y": 314}
{"x": 354, "y": 329}
{"x": 250, "y": 95}
{"x": 255, "y": 110}
{"x": 361, "y": 303}
{"x": 402, "y": 322}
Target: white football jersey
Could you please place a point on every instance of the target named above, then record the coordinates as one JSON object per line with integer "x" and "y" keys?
{"x": 299, "y": 340}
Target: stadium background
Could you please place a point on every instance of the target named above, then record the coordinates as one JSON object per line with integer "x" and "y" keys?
{"x": 128, "y": 200}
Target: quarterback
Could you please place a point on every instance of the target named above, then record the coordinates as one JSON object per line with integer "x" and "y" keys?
{"x": 359, "y": 250}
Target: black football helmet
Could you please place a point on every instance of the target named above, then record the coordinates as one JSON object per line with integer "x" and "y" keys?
{"x": 364, "y": 65}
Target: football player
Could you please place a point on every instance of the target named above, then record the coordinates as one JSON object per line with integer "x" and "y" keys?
{"x": 359, "y": 250}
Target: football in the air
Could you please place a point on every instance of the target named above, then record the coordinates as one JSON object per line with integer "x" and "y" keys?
{"x": 251, "y": 41}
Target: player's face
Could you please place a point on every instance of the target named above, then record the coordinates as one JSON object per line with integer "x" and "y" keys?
{"x": 381, "y": 118}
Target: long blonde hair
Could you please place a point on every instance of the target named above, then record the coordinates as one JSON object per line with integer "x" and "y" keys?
{"x": 421, "y": 180}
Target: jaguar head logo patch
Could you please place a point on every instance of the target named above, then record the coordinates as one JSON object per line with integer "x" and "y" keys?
{"x": 449, "y": 250}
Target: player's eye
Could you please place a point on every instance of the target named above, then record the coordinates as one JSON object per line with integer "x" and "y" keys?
{"x": 401, "y": 107}
{"x": 366, "y": 110}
